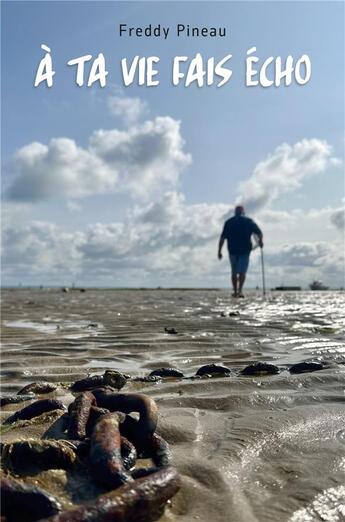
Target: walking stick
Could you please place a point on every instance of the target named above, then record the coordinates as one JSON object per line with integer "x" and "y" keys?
{"x": 263, "y": 272}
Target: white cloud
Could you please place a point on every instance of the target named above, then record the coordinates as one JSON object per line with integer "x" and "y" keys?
{"x": 167, "y": 241}
{"x": 148, "y": 157}
{"x": 168, "y": 225}
{"x": 141, "y": 160}
{"x": 297, "y": 225}
{"x": 299, "y": 254}
{"x": 39, "y": 249}
{"x": 283, "y": 171}
{"x": 303, "y": 262}
{"x": 60, "y": 168}
{"x": 129, "y": 110}
{"x": 162, "y": 238}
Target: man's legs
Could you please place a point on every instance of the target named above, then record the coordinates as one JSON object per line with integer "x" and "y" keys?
{"x": 241, "y": 278}
{"x": 243, "y": 263}
{"x": 234, "y": 273}
{"x": 234, "y": 283}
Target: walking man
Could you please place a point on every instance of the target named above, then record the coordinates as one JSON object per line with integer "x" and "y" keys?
{"x": 238, "y": 231}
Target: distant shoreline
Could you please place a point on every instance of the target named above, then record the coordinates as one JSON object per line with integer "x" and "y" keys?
{"x": 162, "y": 288}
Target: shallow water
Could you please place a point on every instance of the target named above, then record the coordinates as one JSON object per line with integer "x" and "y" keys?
{"x": 249, "y": 449}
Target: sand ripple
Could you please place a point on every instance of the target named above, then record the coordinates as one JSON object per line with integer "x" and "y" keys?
{"x": 249, "y": 449}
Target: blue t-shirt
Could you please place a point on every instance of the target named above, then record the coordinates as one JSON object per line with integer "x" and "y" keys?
{"x": 238, "y": 231}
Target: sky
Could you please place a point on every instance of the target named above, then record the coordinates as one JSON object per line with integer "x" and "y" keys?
{"x": 130, "y": 186}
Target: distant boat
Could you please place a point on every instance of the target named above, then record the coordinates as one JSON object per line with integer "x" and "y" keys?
{"x": 318, "y": 285}
{"x": 283, "y": 288}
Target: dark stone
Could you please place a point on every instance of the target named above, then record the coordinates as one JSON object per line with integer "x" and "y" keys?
{"x": 306, "y": 367}
{"x": 213, "y": 369}
{"x": 22, "y": 455}
{"x": 148, "y": 378}
{"x": 102, "y": 390}
{"x": 166, "y": 372}
{"x": 38, "y": 387}
{"x": 16, "y": 399}
{"x": 260, "y": 368}
{"x": 88, "y": 383}
{"x": 170, "y": 331}
{"x": 35, "y": 409}
{"x": 114, "y": 379}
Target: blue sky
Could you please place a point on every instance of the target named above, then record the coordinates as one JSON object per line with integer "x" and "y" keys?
{"x": 224, "y": 134}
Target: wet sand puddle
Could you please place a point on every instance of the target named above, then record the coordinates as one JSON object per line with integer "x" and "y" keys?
{"x": 248, "y": 448}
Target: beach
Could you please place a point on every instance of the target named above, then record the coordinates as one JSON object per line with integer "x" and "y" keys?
{"x": 248, "y": 448}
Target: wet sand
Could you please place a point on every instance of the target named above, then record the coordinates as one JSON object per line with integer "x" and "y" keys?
{"x": 248, "y": 448}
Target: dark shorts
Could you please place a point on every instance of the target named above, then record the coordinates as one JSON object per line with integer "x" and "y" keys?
{"x": 239, "y": 263}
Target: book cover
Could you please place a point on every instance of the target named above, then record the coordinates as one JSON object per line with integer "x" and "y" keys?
{"x": 173, "y": 224}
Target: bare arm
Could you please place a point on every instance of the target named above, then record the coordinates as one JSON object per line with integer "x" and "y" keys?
{"x": 260, "y": 239}
{"x": 258, "y": 233}
{"x": 220, "y": 246}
